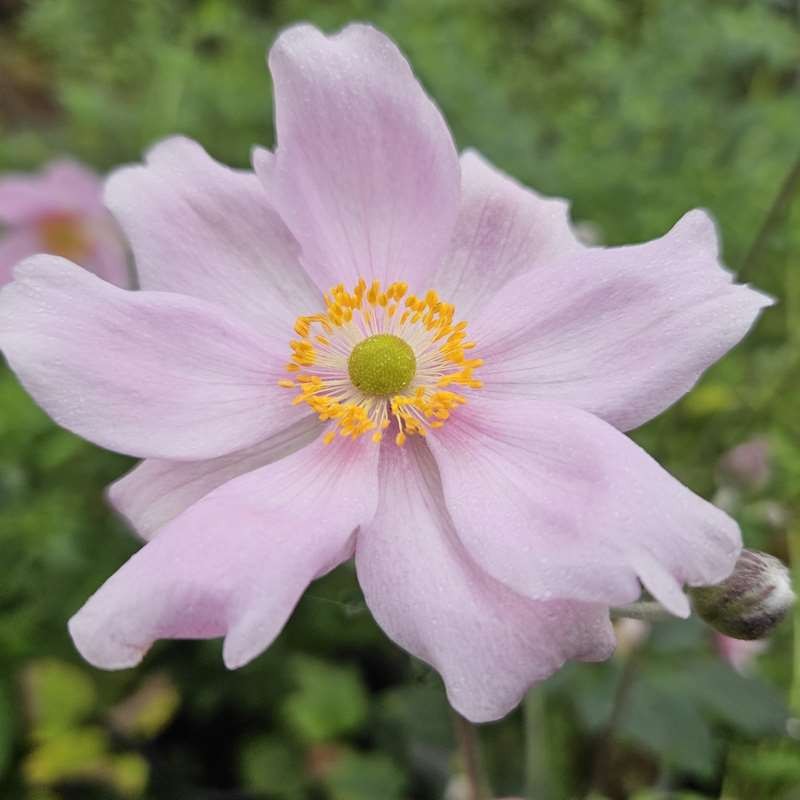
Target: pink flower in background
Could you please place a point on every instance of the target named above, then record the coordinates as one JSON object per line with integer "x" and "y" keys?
{"x": 60, "y": 211}
{"x": 373, "y": 347}
{"x": 739, "y": 653}
{"x": 747, "y": 466}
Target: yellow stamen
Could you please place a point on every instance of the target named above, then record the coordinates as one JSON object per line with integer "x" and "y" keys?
{"x": 364, "y": 367}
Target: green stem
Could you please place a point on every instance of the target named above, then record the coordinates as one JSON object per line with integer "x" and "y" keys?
{"x": 538, "y": 784}
{"x": 601, "y": 768}
{"x": 647, "y": 610}
{"x": 794, "y": 557}
{"x": 780, "y": 204}
{"x": 470, "y": 750}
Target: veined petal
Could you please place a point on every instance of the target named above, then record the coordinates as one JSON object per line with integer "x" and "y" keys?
{"x": 151, "y": 374}
{"x": 503, "y": 230}
{"x": 489, "y": 643}
{"x": 365, "y": 175}
{"x": 556, "y": 503}
{"x": 621, "y": 332}
{"x": 202, "y": 229}
{"x": 156, "y": 491}
{"x": 236, "y": 562}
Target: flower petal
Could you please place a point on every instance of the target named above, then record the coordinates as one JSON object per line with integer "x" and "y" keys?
{"x": 151, "y": 374}
{"x": 236, "y": 562}
{"x": 489, "y": 643}
{"x": 556, "y": 503}
{"x": 621, "y": 332}
{"x": 503, "y": 230}
{"x": 202, "y": 229}
{"x": 365, "y": 175}
{"x": 109, "y": 259}
{"x": 16, "y": 245}
{"x": 156, "y": 491}
{"x": 62, "y": 187}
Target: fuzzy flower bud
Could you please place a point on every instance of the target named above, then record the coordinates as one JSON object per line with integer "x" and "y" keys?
{"x": 751, "y": 601}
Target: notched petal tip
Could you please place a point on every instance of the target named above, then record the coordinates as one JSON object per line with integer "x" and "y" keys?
{"x": 263, "y": 162}
{"x": 100, "y": 649}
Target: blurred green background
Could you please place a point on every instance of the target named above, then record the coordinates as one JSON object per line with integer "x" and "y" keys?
{"x": 635, "y": 110}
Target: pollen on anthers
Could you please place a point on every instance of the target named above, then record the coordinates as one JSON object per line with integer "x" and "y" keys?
{"x": 381, "y": 357}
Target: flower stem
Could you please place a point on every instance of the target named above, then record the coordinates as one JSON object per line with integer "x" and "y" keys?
{"x": 537, "y": 772}
{"x": 601, "y": 768}
{"x": 794, "y": 557}
{"x": 470, "y": 750}
{"x": 780, "y": 204}
{"x": 647, "y": 610}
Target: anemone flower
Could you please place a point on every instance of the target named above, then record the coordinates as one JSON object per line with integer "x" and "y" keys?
{"x": 60, "y": 211}
{"x": 374, "y": 348}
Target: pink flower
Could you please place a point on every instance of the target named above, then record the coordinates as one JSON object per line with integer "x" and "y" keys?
{"x": 492, "y": 542}
{"x": 60, "y": 211}
{"x": 748, "y": 465}
{"x": 739, "y": 653}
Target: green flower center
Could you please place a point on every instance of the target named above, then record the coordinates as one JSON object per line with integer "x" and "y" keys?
{"x": 382, "y": 365}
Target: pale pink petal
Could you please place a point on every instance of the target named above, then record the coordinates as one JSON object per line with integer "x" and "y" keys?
{"x": 557, "y": 503}
{"x": 489, "y": 643}
{"x": 15, "y": 246}
{"x": 263, "y": 163}
{"x": 156, "y": 491}
{"x": 199, "y": 228}
{"x": 236, "y": 562}
{"x": 63, "y": 187}
{"x": 365, "y": 174}
{"x": 503, "y": 230}
{"x": 109, "y": 258}
{"x": 151, "y": 374}
{"x": 621, "y": 332}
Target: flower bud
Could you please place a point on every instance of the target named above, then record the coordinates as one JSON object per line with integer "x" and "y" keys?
{"x": 747, "y": 466}
{"x": 751, "y": 601}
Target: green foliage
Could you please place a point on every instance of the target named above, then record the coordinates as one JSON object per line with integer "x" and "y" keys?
{"x": 364, "y": 777}
{"x": 6, "y": 729}
{"x": 636, "y": 111}
{"x": 329, "y": 701}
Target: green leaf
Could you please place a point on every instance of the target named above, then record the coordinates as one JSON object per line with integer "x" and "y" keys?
{"x": 268, "y": 764}
{"x": 365, "y": 777}
{"x": 670, "y": 726}
{"x": 59, "y": 696}
{"x": 329, "y": 701}
{"x": 748, "y": 704}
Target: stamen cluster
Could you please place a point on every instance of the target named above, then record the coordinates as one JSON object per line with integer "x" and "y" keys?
{"x": 320, "y": 360}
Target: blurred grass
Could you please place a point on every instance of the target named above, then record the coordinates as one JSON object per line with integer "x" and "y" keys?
{"x": 637, "y": 111}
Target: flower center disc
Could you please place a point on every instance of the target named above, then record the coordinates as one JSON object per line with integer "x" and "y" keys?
{"x": 382, "y": 365}
{"x": 63, "y": 235}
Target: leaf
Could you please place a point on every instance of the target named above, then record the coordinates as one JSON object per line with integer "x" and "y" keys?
{"x": 83, "y": 754}
{"x": 365, "y": 777}
{"x": 77, "y": 753}
{"x": 747, "y": 704}
{"x": 329, "y": 701}
{"x": 670, "y": 726}
{"x": 268, "y": 764}
{"x": 58, "y": 696}
{"x": 149, "y": 709}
